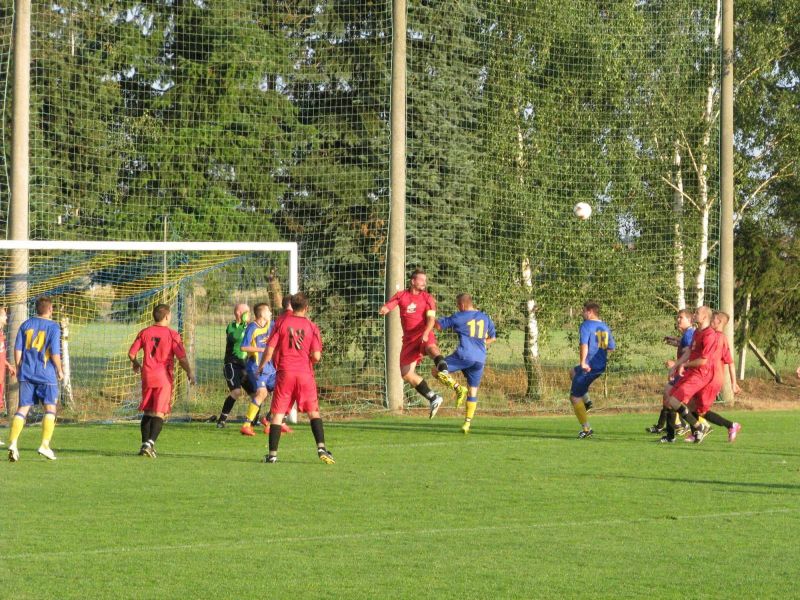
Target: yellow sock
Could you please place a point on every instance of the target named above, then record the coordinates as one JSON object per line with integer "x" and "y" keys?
{"x": 48, "y": 425}
{"x": 580, "y": 412}
{"x": 471, "y": 406}
{"x": 17, "y": 423}
{"x": 252, "y": 411}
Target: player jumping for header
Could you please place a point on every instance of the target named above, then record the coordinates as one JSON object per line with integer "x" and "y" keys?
{"x": 418, "y": 317}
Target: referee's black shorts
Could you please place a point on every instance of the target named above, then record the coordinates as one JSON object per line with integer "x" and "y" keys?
{"x": 236, "y": 377}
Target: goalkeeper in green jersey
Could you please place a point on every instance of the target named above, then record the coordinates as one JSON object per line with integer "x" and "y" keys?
{"x": 234, "y": 367}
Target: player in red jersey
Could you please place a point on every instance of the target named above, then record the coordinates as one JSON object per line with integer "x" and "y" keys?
{"x": 699, "y": 370}
{"x": 722, "y": 365}
{"x": 4, "y": 364}
{"x": 161, "y": 346}
{"x": 294, "y": 347}
{"x": 418, "y": 318}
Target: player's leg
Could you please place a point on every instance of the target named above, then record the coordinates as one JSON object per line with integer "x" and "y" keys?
{"x": 258, "y": 393}
{"x": 233, "y": 379}
{"x": 432, "y": 350}
{"x": 282, "y": 399}
{"x": 49, "y": 396}
{"x": 473, "y": 375}
{"x": 409, "y": 375}
{"x": 446, "y": 377}
{"x": 156, "y": 406}
{"x": 579, "y": 388}
{"x": 717, "y": 419}
{"x": 26, "y": 394}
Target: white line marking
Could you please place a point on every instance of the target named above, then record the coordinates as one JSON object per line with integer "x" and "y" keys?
{"x": 260, "y": 542}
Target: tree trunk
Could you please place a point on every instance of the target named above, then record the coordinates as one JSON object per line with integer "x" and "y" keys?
{"x": 677, "y": 209}
{"x": 530, "y": 350}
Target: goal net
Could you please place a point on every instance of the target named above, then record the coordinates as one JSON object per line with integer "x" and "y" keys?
{"x": 104, "y": 293}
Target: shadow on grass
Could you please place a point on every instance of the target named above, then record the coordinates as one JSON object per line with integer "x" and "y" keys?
{"x": 697, "y": 481}
{"x": 440, "y": 427}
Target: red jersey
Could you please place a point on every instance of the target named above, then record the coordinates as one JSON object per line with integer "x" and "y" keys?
{"x": 294, "y": 339}
{"x": 413, "y": 309}
{"x": 705, "y": 344}
{"x": 725, "y": 358}
{"x": 161, "y": 346}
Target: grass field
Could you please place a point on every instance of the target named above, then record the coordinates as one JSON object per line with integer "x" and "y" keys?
{"x": 412, "y": 509}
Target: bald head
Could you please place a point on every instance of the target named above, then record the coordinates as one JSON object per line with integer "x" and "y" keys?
{"x": 464, "y": 302}
{"x": 702, "y": 316}
{"x": 239, "y": 309}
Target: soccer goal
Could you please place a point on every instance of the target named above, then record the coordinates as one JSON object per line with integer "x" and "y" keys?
{"x": 104, "y": 293}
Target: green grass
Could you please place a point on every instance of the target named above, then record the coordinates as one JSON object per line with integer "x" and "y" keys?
{"x": 412, "y": 509}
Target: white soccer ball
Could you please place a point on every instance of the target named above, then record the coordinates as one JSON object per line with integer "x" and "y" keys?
{"x": 582, "y": 210}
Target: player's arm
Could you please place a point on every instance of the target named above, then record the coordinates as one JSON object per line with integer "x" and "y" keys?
{"x": 266, "y": 356}
{"x": 184, "y": 363}
{"x": 56, "y": 360}
{"x": 134, "y": 350}
{"x": 430, "y": 322}
{"x": 316, "y": 356}
{"x": 671, "y": 340}
{"x": 389, "y": 306}
{"x": 734, "y": 384}
{"x": 584, "y": 353}
{"x": 17, "y": 358}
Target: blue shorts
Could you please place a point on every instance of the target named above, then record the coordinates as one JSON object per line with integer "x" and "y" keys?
{"x": 473, "y": 370}
{"x": 582, "y": 380}
{"x": 44, "y": 393}
{"x": 265, "y": 380}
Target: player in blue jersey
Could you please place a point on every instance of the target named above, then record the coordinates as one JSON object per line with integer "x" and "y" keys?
{"x": 596, "y": 341}
{"x": 254, "y": 343}
{"x": 475, "y": 331}
{"x": 37, "y": 354}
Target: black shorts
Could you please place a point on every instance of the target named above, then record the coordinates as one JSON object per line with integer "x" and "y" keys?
{"x": 236, "y": 377}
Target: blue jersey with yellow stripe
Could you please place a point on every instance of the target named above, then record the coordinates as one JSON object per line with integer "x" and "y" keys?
{"x": 38, "y": 339}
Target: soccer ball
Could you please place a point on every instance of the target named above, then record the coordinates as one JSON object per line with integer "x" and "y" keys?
{"x": 582, "y": 210}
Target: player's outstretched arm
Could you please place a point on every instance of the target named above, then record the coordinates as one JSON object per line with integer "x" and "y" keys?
{"x": 388, "y": 307}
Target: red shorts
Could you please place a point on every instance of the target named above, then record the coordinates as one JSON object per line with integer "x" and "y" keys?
{"x": 689, "y": 385}
{"x": 294, "y": 387}
{"x": 413, "y": 350}
{"x": 156, "y": 399}
{"x": 705, "y": 398}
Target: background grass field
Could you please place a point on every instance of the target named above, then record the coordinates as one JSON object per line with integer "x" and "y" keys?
{"x": 412, "y": 509}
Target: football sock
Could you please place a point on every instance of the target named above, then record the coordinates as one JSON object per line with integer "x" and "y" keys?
{"x": 17, "y": 423}
{"x": 254, "y": 422}
{"x": 227, "y": 407}
{"x": 424, "y": 390}
{"x": 145, "y": 428}
{"x": 676, "y": 419}
{"x": 670, "y": 429}
{"x": 580, "y": 412}
{"x": 440, "y": 363}
{"x": 718, "y": 419}
{"x": 48, "y": 425}
{"x": 252, "y": 412}
{"x": 318, "y": 431}
{"x": 662, "y": 418}
{"x": 156, "y": 423}
{"x": 472, "y": 404}
{"x": 687, "y": 416}
{"x": 274, "y": 438}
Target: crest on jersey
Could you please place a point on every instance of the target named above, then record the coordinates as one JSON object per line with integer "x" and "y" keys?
{"x": 412, "y": 308}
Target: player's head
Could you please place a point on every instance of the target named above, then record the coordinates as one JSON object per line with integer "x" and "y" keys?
{"x": 464, "y": 301}
{"x": 299, "y": 302}
{"x": 239, "y": 309}
{"x": 702, "y": 316}
{"x": 44, "y": 307}
{"x": 683, "y": 320}
{"x": 418, "y": 280}
{"x": 719, "y": 319}
{"x": 161, "y": 313}
{"x": 286, "y": 302}
{"x": 591, "y": 310}
{"x": 261, "y": 311}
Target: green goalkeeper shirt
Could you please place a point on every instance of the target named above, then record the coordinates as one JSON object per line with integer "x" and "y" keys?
{"x": 234, "y": 335}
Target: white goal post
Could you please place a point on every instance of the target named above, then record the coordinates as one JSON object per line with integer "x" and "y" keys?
{"x": 107, "y": 295}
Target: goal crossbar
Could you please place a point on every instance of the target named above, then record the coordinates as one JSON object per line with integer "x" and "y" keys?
{"x": 290, "y": 247}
